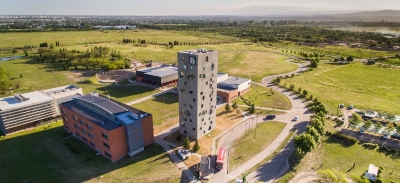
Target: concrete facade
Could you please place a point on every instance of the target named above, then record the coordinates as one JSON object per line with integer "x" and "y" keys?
{"x": 197, "y": 87}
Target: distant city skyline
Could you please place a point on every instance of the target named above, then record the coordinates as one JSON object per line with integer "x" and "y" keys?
{"x": 181, "y": 7}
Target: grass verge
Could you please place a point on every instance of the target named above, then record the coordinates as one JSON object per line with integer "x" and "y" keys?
{"x": 247, "y": 146}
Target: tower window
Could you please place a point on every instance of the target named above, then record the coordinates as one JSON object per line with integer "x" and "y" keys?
{"x": 184, "y": 131}
{"x": 191, "y": 92}
{"x": 182, "y": 74}
{"x": 194, "y": 129}
{"x": 212, "y": 66}
{"x": 206, "y": 58}
{"x": 184, "y": 67}
{"x": 194, "y": 100}
{"x": 209, "y": 128}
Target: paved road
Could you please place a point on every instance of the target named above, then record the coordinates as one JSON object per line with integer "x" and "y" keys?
{"x": 279, "y": 163}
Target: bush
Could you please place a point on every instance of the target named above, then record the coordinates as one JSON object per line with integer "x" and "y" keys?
{"x": 370, "y": 145}
{"x": 345, "y": 137}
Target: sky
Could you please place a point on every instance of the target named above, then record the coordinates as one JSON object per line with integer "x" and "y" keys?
{"x": 190, "y": 7}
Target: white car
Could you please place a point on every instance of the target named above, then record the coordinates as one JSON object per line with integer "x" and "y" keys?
{"x": 295, "y": 118}
{"x": 184, "y": 154}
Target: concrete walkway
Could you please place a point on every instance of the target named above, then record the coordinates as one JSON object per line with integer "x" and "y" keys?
{"x": 172, "y": 90}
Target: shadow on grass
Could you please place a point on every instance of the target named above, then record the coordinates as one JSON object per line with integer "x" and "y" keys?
{"x": 336, "y": 140}
{"x": 63, "y": 158}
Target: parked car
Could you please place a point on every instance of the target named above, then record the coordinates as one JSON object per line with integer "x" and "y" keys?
{"x": 361, "y": 131}
{"x": 385, "y": 136}
{"x": 184, "y": 154}
{"x": 295, "y": 118}
{"x": 351, "y": 107}
{"x": 271, "y": 116}
{"x": 341, "y": 105}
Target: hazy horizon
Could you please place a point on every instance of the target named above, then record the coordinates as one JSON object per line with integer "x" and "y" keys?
{"x": 192, "y": 8}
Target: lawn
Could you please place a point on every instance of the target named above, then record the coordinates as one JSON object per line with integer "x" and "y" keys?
{"x": 336, "y": 155}
{"x": 253, "y": 64}
{"x": 224, "y": 121}
{"x": 29, "y": 155}
{"x": 107, "y": 36}
{"x": 365, "y": 87}
{"x": 39, "y": 76}
{"x": 246, "y": 146}
{"x": 335, "y": 51}
{"x": 164, "y": 109}
{"x": 262, "y": 96}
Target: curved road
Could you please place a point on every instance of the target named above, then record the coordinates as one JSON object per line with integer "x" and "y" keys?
{"x": 278, "y": 165}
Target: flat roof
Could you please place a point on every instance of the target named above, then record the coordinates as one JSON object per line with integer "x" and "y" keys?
{"x": 61, "y": 89}
{"x": 161, "y": 72}
{"x": 197, "y": 51}
{"x": 234, "y": 81}
{"x": 221, "y": 74}
{"x": 108, "y": 105}
{"x": 11, "y": 102}
{"x": 91, "y": 115}
{"x": 372, "y": 169}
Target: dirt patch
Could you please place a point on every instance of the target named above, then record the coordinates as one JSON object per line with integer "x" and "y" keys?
{"x": 305, "y": 177}
{"x": 77, "y": 76}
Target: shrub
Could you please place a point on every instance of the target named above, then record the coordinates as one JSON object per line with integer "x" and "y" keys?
{"x": 370, "y": 145}
{"x": 345, "y": 137}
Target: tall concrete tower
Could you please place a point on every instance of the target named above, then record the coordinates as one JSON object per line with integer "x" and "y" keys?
{"x": 197, "y": 87}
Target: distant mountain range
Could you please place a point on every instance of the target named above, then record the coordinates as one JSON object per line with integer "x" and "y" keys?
{"x": 387, "y": 15}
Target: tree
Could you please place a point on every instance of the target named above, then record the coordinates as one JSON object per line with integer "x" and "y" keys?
{"x": 196, "y": 146}
{"x": 20, "y": 75}
{"x": 331, "y": 176}
{"x": 367, "y": 124}
{"x": 319, "y": 125}
{"x": 234, "y": 105}
{"x": 227, "y": 107}
{"x": 186, "y": 143}
{"x": 305, "y": 92}
{"x": 378, "y": 126}
{"x": 237, "y": 111}
{"x": 299, "y": 153}
{"x": 355, "y": 119}
{"x": 389, "y": 127}
{"x": 314, "y": 64}
{"x": 313, "y": 132}
{"x": 349, "y": 58}
{"x": 252, "y": 109}
{"x": 305, "y": 142}
{"x": 292, "y": 87}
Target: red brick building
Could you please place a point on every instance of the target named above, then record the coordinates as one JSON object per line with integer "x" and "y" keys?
{"x": 113, "y": 129}
{"x": 231, "y": 88}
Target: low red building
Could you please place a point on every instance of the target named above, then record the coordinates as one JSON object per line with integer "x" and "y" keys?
{"x": 113, "y": 129}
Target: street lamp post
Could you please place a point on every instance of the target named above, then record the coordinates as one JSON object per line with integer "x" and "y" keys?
{"x": 255, "y": 132}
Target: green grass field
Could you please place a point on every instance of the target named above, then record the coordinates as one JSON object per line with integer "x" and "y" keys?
{"x": 366, "y": 87}
{"x": 108, "y": 36}
{"x": 39, "y": 76}
{"x": 262, "y": 96}
{"x": 41, "y": 155}
{"x": 253, "y": 64}
{"x": 246, "y": 147}
{"x": 336, "y": 155}
{"x": 335, "y": 51}
{"x": 163, "y": 108}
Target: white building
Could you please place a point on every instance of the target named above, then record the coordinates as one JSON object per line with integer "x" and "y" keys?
{"x": 372, "y": 172}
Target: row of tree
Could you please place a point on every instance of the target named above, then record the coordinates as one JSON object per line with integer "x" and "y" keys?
{"x": 308, "y": 140}
{"x": 97, "y": 57}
